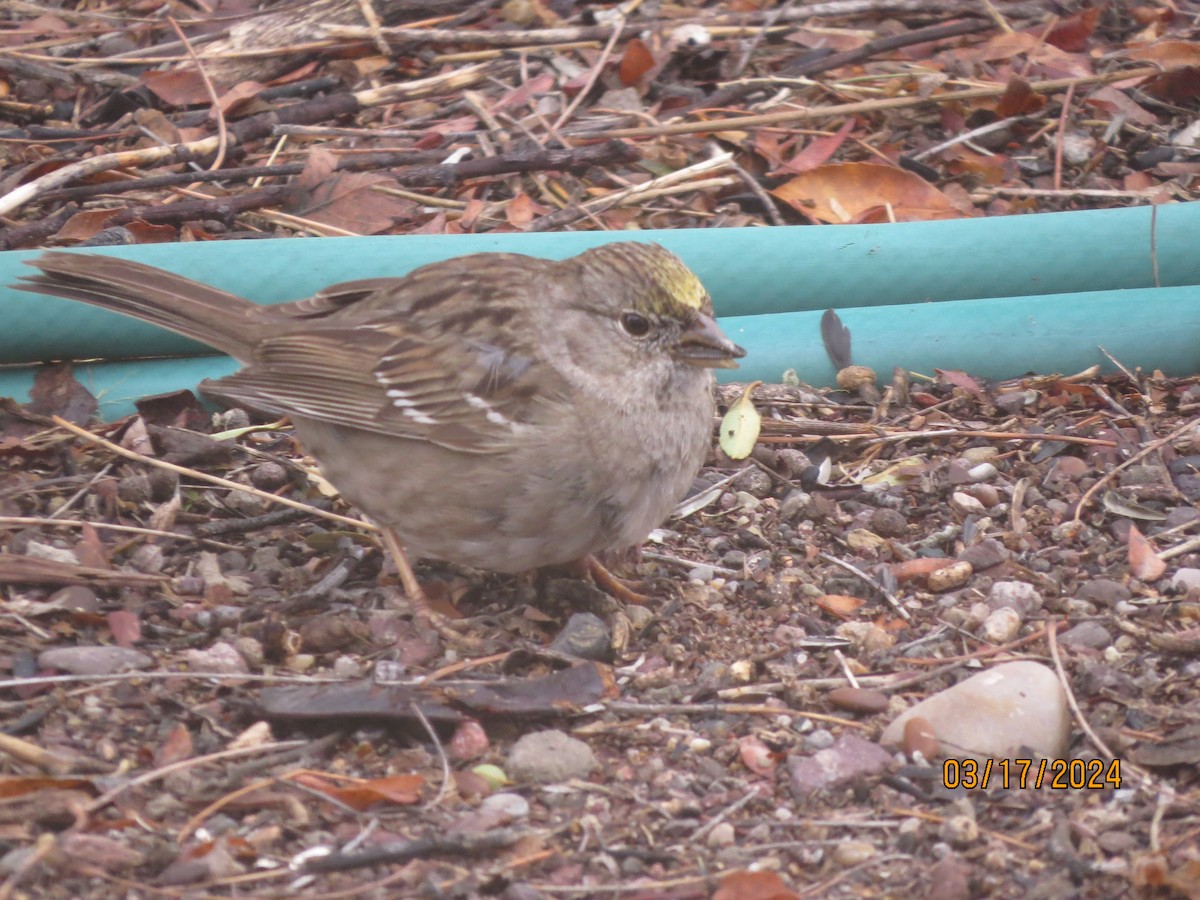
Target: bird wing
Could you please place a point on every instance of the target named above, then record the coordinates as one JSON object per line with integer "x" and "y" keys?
{"x": 442, "y": 354}
{"x": 454, "y": 390}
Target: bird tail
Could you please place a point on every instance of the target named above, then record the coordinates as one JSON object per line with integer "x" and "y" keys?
{"x": 225, "y": 321}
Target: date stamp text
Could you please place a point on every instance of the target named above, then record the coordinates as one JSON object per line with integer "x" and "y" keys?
{"x": 1056, "y": 774}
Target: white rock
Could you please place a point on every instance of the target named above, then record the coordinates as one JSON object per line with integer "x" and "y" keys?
{"x": 721, "y": 835}
{"x": 513, "y": 806}
{"x": 37, "y": 550}
{"x": 959, "y": 831}
{"x": 1185, "y": 579}
{"x": 980, "y": 454}
{"x": 982, "y": 472}
{"x": 966, "y": 504}
{"x": 1020, "y": 595}
{"x": 549, "y": 757}
{"x": 852, "y": 853}
{"x": 1001, "y": 713}
{"x": 1001, "y": 626}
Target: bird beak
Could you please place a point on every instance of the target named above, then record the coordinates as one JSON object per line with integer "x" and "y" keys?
{"x": 704, "y": 345}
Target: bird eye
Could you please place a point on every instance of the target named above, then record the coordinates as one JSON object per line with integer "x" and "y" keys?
{"x": 635, "y": 325}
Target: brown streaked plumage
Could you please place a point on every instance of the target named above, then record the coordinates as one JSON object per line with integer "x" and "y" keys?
{"x": 494, "y": 410}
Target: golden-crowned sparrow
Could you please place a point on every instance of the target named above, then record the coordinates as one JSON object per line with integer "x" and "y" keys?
{"x": 495, "y": 410}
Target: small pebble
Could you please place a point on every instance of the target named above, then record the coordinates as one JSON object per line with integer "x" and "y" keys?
{"x": 820, "y": 739}
{"x": 148, "y": 558}
{"x": 1143, "y": 475}
{"x": 548, "y": 757}
{"x": 511, "y": 806}
{"x": 949, "y": 577}
{"x": 948, "y": 880}
{"x": 721, "y": 835}
{"x": 1185, "y": 580}
{"x": 966, "y": 504}
{"x": 852, "y": 853}
{"x": 585, "y": 636}
{"x": 889, "y": 523}
{"x": 858, "y": 700}
{"x": 977, "y": 614}
{"x": 1017, "y": 595}
{"x": 222, "y": 658}
{"x": 93, "y": 660}
{"x": 919, "y": 737}
{"x": 251, "y": 650}
{"x": 390, "y": 670}
{"x": 982, "y": 472}
{"x": 959, "y": 831}
{"x": 1001, "y": 625}
{"x": 76, "y": 598}
{"x": 866, "y": 636}
{"x": 1070, "y": 468}
{"x": 640, "y": 617}
{"x": 747, "y": 501}
{"x": 742, "y": 671}
{"x": 956, "y": 473}
{"x": 469, "y": 741}
{"x": 347, "y": 667}
{"x": 38, "y": 550}
{"x": 850, "y": 759}
{"x": 134, "y": 488}
{"x": 268, "y": 476}
{"x": 1082, "y": 609}
{"x": 985, "y": 494}
{"x": 794, "y": 506}
{"x": 754, "y": 481}
{"x": 979, "y": 454}
{"x": 1077, "y": 147}
{"x": 1181, "y": 516}
{"x": 794, "y": 462}
{"x": 1117, "y": 842}
{"x": 909, "y": 834}
{"x": 734, "y": 559}
{"x": 1086, "y": 634}
{"x": 245, "y": 503}
{"x": 860, "y": 539}
{"x": 1070, "y": 531}
{"x": 985, "y": 554}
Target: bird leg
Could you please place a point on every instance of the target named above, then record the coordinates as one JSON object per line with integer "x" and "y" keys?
{"x": 610, "y": 583}
{"x": 417, "y": 597}
{"x": 408, "y": 578}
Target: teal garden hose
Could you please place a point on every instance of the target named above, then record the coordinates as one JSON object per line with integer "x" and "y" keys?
{"x": 997, "y": 297}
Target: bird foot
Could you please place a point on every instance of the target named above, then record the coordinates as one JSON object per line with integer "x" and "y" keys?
{"x": 610, "y": 583}
{"x": 447, "y": 630}
{"x": 418, "y": 600}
